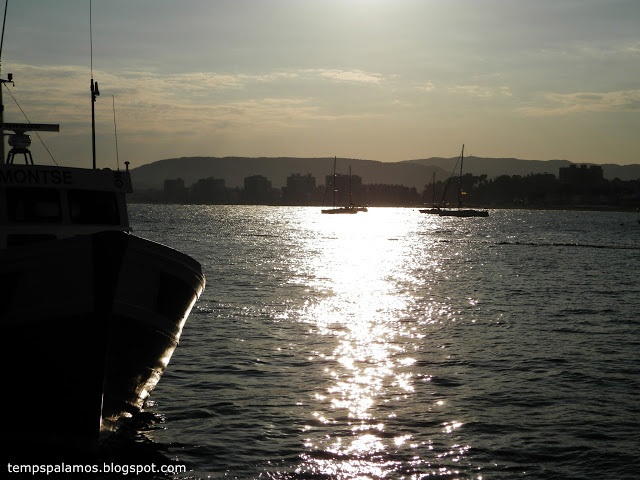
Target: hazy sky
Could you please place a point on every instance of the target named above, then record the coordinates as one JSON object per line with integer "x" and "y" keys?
{"x": 383, "y": 80}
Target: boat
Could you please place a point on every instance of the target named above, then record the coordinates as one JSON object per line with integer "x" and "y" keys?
{"x": 351, "y": 208}
{"x": 91, "y": 313}
{"x": 434, "y": 210}
{"x": 336, "y": 210}
{"x": 461, "y": 212}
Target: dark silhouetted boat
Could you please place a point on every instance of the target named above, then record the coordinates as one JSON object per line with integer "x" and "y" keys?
{"x": 351, "y": 208}
{"x": 435, "y": 209}
{"x": 90, "y": 313}
{"x": 461, "y": 212}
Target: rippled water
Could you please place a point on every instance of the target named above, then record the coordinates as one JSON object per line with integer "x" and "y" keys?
{"x": 394, "y": 344}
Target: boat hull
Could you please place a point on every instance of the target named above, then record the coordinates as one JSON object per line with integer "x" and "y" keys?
{"x": 463, "y": 213}
{"x": 432, "y": 211}
{"x": 347, "y": 210}
{"x": 90, "y": 324}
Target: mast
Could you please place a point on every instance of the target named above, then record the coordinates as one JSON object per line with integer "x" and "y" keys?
{"x": 350, "y": 192}
{"x": 94, "y": 93}
{"x": 433, "y": 190}
{"x": 334, "y": 181}
{"x": 460, "y": 178}
{"x": 2, "y": 82}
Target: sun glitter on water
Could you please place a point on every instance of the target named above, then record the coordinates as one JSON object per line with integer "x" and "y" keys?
{"x": 359, "y": 267}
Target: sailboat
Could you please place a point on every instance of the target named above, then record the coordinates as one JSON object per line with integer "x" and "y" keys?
{"x": 91, "y": 314}
{"x": 351, "y": 208}
{"x": 435, "y": 210}
{"x": 462, "y": 212}
{"x": 359, "y": 208}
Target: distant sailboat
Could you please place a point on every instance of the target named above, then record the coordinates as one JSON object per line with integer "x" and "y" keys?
{"x": 435, "y": 210}
{"x": 351, "y": 208}
{"x": 462, "y": 212}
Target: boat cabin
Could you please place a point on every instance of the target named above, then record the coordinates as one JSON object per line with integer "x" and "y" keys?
{"x": 41, "y": 203}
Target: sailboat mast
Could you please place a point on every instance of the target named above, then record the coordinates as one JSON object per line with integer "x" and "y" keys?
{"x": 350, "y": 192}
{"x": 334, "y": 181}
{"x": 460, "y": 178}
{"x": 433, "y": 190}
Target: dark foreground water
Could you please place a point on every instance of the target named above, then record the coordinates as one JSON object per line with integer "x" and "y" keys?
{"x": 399, "y": 345}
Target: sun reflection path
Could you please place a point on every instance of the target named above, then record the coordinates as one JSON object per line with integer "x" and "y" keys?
{"x": 360, "y": 268}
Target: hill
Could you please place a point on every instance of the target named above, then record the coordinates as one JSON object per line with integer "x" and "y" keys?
{"x": 411, "y": 173}
{"x": 494, "y": 167}
{"x": 234, "y": 170}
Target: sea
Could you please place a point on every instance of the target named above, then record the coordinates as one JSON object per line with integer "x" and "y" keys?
{"x": 392, "y": 344}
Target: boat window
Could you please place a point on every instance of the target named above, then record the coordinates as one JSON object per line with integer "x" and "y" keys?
{"x": 33, "y": 205}
{"x": 93, "y": 207}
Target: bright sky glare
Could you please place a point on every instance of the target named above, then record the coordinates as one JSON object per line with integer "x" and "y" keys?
{"x": 385, "y": 80}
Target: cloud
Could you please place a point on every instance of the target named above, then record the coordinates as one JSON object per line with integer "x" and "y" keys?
{"x": 426, "y": 87}
{"x": 480, "y": 91}
{"x": 206, "y": 81}
{"x": 578, "y": 102}
{"x": 156, "y": 104}
{"x": 633, "y": 48}
{"x": 351, "y": 76}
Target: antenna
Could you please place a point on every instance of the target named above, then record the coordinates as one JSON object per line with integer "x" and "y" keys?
{"x": 115, "y": 131}
{"x": 460, "y": 178}
{"x": 4, "y": 21}
{"x": 2, "y": 82}
{"x": 94, "y": 92}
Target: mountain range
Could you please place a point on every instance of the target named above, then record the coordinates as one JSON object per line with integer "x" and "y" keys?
{"x": 411, "y": 173}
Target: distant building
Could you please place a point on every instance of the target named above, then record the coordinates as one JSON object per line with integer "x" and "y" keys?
{"x": 300, "y": 189}
{"x": 390, "y": 195}
{"x": 209, "y": 190}
{"x": 175, "y": 191}
{"x": 582, "y": 176}
{"x": 257, "y": 190}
